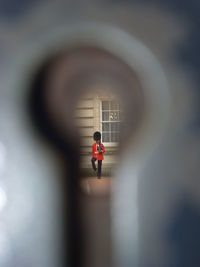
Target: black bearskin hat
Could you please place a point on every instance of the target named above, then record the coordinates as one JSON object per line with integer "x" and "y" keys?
{"x": 97, "y": 136}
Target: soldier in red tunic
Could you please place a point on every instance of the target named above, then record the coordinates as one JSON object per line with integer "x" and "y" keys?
{"x": 97, "y": 153}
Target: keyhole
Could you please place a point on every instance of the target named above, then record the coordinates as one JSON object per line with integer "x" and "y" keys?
{"x": 57, "y": 87}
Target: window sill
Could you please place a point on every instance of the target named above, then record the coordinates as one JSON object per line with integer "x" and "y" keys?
{"x": 110, "y": 144}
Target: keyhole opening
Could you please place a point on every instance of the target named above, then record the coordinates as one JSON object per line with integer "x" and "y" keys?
{"x": 66, "y": 77}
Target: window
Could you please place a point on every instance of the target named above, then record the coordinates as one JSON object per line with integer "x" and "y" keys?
{"x": 110, "y": 121}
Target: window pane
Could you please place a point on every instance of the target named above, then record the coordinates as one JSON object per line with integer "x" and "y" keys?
{"x": 114, "y": 116}
{"x": 105, "y": 105}
{"x": 105, "y": 127}
{"x": 114, "y": 105}
{"x": 105, "y": 137}
{"x": 115, "y": 127}
{"x": 105, "y": 116}
{"x": 114, "y": 137}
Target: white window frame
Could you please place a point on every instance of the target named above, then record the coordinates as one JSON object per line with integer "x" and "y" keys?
{"x": 108, "y": 144}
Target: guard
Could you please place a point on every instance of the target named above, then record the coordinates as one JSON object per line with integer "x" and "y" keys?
{"x": 97, "y": 153}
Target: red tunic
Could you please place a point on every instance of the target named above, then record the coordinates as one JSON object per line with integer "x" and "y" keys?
{"x": 98, "y": 156}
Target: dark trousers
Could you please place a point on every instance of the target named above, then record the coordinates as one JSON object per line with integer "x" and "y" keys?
{"x": 99, "y": 166}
